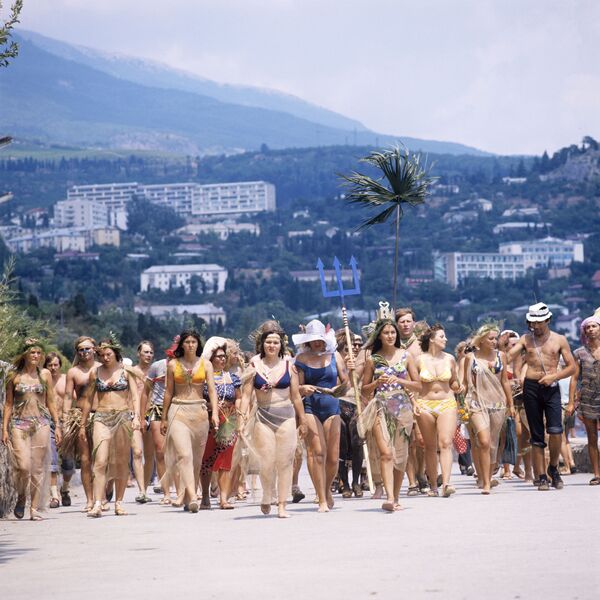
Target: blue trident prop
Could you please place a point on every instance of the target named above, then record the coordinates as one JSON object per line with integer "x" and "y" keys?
{"x": 340, "y": 292}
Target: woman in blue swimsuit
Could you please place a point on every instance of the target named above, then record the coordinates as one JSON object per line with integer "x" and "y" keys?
{"x": 320, "y": 368}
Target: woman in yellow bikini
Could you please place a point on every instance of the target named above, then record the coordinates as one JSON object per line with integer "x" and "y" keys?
{"x": 185, "y": 416}
{"x": 438, "y": 409}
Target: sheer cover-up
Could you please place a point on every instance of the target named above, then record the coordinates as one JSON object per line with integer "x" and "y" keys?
{"x": 486, "y": 404}
{"x": 391, "y": 409}
{"x": 29, "y": 447}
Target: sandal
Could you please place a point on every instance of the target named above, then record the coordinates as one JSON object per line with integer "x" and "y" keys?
{"x": 226, "y": 506}
{"x": 105, "y": 506}
{"x": 433, "y": 493}
{"x": 388, "y": 506}
{"x": 595, "y": 481}
{"x": 19, "y": 510}
{"x": 448, "y": 491}
{"x": 519, "y": 474}
{"x": 54, "y": 503}
{"x": 119, "y": 510}
{"x": 35, "y": 515}
{"x": 95, "y": 511}
{"x": 413, "y": 490}
{"x": 165, "y": 502}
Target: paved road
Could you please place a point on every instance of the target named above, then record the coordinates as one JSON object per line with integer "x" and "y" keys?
{"x": 517, "y": 543}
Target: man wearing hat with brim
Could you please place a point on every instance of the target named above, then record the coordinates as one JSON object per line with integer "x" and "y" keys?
{"x": 543, "y": 350}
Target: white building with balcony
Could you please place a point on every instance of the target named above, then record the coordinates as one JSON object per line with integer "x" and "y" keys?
{"x": 80, "y": 213}
{"x": 165, "y": 277}
{"x": 233, "y": 198}
{"x": 454, "y": 267}
{"x": 548, "y": 251}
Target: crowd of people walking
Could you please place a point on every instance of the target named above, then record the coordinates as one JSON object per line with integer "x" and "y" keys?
{"x": 205, "y": 419}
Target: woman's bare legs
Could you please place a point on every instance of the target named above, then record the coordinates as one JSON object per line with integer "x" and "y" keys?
{"x": 137, "y": 447}
{"x": 446, "y": 427}
{"x": 427, "y": 426}
{"x": 484, "y": 469}
{"x": 101, "y": 437}
{"x": 286, "y": 440}
{"x": 386, "y": 464}
{"x": 264, "y": 441}
{"x": 159, "y": 455}
{"x": 315, "y": 459}
{"x": 331, "y": 431}
{"x": 85, "y": 458}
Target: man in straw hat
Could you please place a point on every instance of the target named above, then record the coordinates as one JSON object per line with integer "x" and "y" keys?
{"x": 543, "y": 350}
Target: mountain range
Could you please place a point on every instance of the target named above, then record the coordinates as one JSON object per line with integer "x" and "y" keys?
{"x": 58, "y": 93}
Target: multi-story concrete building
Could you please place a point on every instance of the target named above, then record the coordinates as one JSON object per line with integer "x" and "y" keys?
{"x": 546, "y": 252}
{"x": 177, "y": 196}
{"x": 80, "y": 213}
{"x": 223, "y": 229}
{"x": 165, "y": 277}
{"x": 453, "y": 267}
{"x": 232, "y": 198}
{"x": 512, "y": 261}
{"x": 187, "y": 199}
{"x": 76, "y": 239}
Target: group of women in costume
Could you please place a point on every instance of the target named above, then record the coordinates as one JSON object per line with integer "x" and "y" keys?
{"x": 206, "y": 416}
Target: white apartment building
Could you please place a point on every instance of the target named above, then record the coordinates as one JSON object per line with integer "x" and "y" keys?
{"x": 80, "y": 213}
{"x": 61, "y": 240}
{"x": 165, "y": 277}
{"x": 177, "y": 196}
{"x": 185, "y": 198}
{"x": 114, "y": 196}
{"x": 513, "y": 260}
{"x": 453, "y": 267}
{"x": 548, "y": 251}
{"x": 231, "y": 198}
{"x": 223, "y": 230}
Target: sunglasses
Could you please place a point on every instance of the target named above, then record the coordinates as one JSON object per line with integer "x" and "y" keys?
{"x": 220, "y": 356}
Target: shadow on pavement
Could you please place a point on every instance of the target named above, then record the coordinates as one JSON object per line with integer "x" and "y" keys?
{"x": 9, "y": 551}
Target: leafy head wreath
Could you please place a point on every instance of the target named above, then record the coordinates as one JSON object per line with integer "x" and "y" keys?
{"x": 113, "y": 343}
{"x": 483, "y": 331}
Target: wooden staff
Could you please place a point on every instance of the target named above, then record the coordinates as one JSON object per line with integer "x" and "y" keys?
{"x": 357, "y": 394}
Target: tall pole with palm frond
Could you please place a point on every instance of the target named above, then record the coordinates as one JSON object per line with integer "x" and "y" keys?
{"x": 403, "y": 181}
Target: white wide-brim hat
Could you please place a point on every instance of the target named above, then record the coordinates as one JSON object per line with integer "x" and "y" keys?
{"x": 538, "y": 312}
{"x": 211, "y": 345}
{"x": 316, "y": 331}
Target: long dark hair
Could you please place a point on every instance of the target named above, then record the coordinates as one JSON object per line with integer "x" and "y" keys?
{"x": 179, "y": 351}
{"x": 426, "y": 337}
{"x": 374, "y": 342}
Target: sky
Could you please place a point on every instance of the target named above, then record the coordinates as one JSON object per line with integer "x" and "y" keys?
{"x": 506, "y": 76}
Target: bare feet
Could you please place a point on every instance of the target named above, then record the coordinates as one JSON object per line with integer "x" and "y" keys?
{"x": 378, "y": 493}
{"x": 330, "y": 500}
{"x": 226, "y": 505}
{"x": 397, "y": 506}
{"x": 388, "y": 506}
{"x": 265, "y": 509}
{"x": 35, "y": 515}
{"x": 205, "y": 504}
{"x": 485, "y": 491}
{"x": 323, "y": 507}
{"x": 281, "y": 512}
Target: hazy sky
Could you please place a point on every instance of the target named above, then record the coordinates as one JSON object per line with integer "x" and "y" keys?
{"x": 508, "y": 76}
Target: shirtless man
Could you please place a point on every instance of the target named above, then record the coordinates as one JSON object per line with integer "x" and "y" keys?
{"x": 415, "y": 467}
{"x": 53, "y": 363}
{"x": 543, "y": 350}
{"x": 77, "y": 382}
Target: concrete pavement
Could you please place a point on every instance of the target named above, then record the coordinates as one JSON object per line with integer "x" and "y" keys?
{"x": 517, "y": 543}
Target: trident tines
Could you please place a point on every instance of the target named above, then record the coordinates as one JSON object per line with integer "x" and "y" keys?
{"x": 340, "y": 292}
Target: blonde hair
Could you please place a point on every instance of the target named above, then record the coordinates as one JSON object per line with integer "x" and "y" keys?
{"x": 483, "y": 331}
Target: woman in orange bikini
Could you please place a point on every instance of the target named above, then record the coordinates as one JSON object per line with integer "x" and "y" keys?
{"x": 185, "y": 416}
{"x": 438, "y": 409}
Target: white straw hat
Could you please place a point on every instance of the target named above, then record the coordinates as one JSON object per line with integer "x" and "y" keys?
{"x": 315, "y": 330}
{"x": 538, "y": 312}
